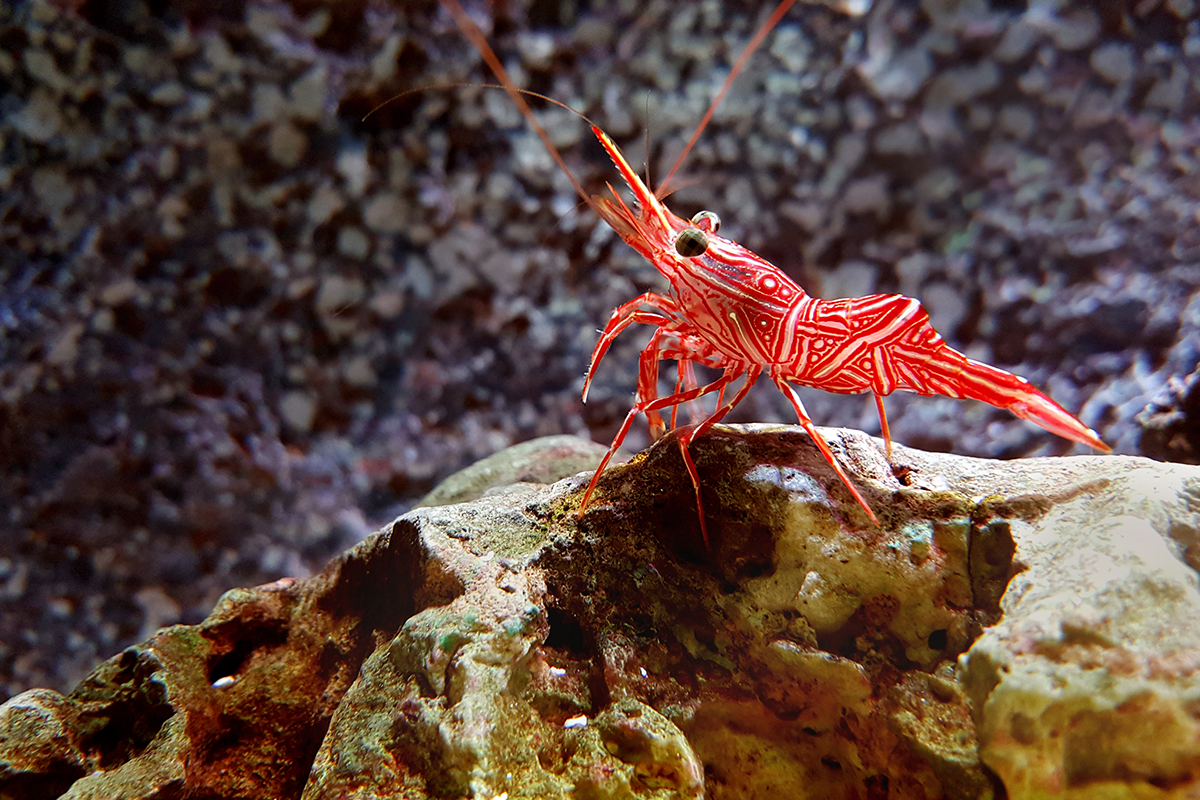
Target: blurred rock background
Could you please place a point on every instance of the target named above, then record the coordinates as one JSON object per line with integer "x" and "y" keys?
{"x": 240, "y": 325}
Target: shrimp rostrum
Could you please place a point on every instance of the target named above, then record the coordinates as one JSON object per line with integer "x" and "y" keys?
{"x": 730, "y": 310}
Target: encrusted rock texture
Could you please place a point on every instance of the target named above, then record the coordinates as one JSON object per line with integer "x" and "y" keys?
{"x": 241, "y": 327}
{"x": 1025, "y": 629}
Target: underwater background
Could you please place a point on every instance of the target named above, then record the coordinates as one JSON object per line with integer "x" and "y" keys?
{"x": 241, "y": 326}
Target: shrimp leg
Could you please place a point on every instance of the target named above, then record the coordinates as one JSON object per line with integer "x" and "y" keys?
{"x": 649, "y": 366}
{"x": 884, "y": 431}
{"x": 807, "y": 423}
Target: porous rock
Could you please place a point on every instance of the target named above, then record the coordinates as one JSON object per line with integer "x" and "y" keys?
{"x": 1171, "y": 422}
{"x": 1023, "y": 628}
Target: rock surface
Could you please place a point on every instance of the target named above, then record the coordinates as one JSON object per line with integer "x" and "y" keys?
{"x": 542, "y": 460}
{"x": 1171, "y": 422}
{"x": 1025, "y": 628}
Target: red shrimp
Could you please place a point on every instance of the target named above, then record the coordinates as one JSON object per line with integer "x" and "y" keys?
{"x": 733, "y": 311}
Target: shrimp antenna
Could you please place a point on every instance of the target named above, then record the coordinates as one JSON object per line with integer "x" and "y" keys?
{"x": 472, "y": 32}
{"x": 646, "y": 115}
{"x": 761, "y": 34}
{"x": 437, "y": 86}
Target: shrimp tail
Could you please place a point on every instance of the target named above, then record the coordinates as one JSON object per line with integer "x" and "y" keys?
{"x": 896, "y": 347}
{"x": 980, "y": 381}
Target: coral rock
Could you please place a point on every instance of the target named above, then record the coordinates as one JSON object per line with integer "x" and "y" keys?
{"x": 1027, "y": 629}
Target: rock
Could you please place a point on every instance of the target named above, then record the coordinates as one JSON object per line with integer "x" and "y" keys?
{"x": 324, "y": 204}
{"x": 961, "y": 84}
{"x": 1171, "y": 422}
{"x": 1025, "y": 628}
{"x": 298, "y": 409}
{"x": 1168, "y": 93}
{"x": 542, "y": 461}
{"x": 1074, "y": 31}
{"x": 40, "y": 744}
{"x": 1114, "y": 62}
{"x": 1090, "y": 680}
{"x": 40, "y": 119}
{"x": 386, "y": 213}
{"x": 898, "y": 75}
{"x": 286, "y": 143}
{"x": 309, "y": 94}
{"x": 353, "y": 243}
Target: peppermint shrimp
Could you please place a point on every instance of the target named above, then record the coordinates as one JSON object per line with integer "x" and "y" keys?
{"x": 731, "y": 310}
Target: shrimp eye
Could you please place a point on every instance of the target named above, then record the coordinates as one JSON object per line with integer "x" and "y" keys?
{"x": 691, "y": 242}
{"x": 707, "y": 221}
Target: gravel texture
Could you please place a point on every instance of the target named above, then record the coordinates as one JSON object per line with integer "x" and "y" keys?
{"x": 240, "y": 325}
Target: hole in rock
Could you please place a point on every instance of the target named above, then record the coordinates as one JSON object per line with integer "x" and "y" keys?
{"x": 132, "y": 707}
{"x": 242, "y": 641}
{"x": 877, "y": 787}
{"x": 565, "y": 632}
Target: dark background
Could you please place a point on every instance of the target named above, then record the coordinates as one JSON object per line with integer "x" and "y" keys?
{"x": 240, "y": 327}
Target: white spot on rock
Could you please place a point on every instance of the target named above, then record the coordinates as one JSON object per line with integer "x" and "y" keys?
{"x": 1113, "y": 62}
{"x": 353, "y": 242}
{"x": 287, "y": 144}
{"x": 386, "y": 213}
{"x": 298, "y": 410}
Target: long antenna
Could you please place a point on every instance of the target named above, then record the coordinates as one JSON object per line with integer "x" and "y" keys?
{"x": 761, "y": 34}
{"x": 471, "y": 85}
{"x": 472, "y": 32}
{"x": 646, "y": 125}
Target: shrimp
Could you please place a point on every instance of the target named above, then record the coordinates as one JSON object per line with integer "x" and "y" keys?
{"x": 731, "y": 310}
